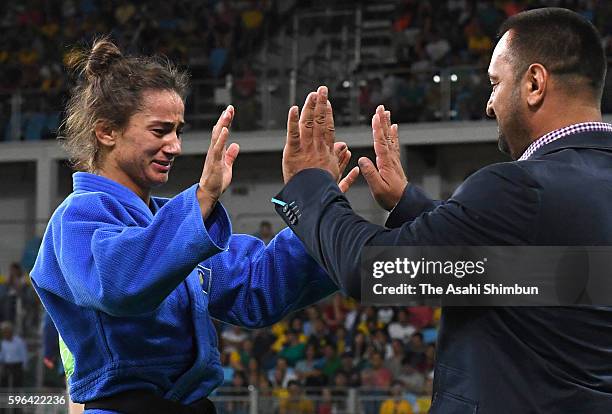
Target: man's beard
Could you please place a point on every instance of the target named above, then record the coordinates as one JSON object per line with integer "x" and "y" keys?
{"x": 514, "y": 129}
{"x": 502, "y": 142}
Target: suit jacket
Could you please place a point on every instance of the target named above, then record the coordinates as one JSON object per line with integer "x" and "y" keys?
{"x": 497, "y": 359}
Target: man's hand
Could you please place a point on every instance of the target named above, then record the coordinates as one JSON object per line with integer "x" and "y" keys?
{"x": 310, "y": 140}
{"x": 386, "y": 180}
{"x": 344, "y": 156}
{"x": 217, "y": 171}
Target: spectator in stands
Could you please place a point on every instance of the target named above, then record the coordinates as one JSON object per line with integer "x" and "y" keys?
{"x": 233, "y": 337}
{"x": 265, "y": 232}
{"x": 245, "y": 352}
{"x": 385, "y": 315}
{"x": 296, "y": 402}
{"x": 340, "y": 340}
{"x": 238, "y": 396}
{"x": 319, "y": 336}
{"x": 330, "y": 363}
{"x": 381, "y": 344}
{"x": 20, "y": 297}
{"x": 228, "y": 369}
{"x": 423, "y": 402}
{"x": 396, "y": 404}
{"x": 282, "y": 373}
{"x": 377, "y": 376}
{"x": 267, "y": 403}
{"x": 349, "y": 369}
{"x": 394, "y": 362}
{"x": 308, "y": 369}
{"x": 13, "y": 357}
{"x": 262, "y": 348}
{"x": 401, "y": 329}
{"x": 334, "y": 312}
{"x": 243, "y": 96}
{"x": 312, "y": 314}
{"x": 429, "y": 361}
{"x": 297, "y": 325}
{"x": 377, "y": 379}
{"x": 412, "y": 379}
{"x": 359, "y": 346}
{"x": 293, "y": 351}
{"x": 415, "y": 351}
{"x": 252, "y": 371}
{"x": 326, "y": 405}
{"x": 479, "y": 43}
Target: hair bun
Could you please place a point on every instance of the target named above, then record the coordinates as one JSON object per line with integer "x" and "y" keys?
{"x": 103, "y": 54}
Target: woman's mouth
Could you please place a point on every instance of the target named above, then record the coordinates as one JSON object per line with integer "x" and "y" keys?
{"x": 162, "y": 165}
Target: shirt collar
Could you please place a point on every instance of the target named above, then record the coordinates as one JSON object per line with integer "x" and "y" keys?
{"x": 563, "y": 132}
{"x": 87, "y": 182}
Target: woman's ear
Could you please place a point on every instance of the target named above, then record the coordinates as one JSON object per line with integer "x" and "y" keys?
{"x": 105, "y": 134}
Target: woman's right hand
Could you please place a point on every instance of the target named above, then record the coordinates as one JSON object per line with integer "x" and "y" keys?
{"x": 217, "y": 171}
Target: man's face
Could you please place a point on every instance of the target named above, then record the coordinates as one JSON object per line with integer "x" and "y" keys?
{"x": 376, "y": 361}
{"x": 505, "y": 103}
{"x": 7, "y": 333}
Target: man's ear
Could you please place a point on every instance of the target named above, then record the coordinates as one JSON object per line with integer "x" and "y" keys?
{"x": 537, "y": 78}
{"x": 105, "y": 134}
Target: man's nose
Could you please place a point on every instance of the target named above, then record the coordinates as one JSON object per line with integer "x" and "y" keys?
{"x": 489, "y": 110}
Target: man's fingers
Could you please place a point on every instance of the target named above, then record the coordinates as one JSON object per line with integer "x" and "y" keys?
{"x": 293, "y": 130}
{"x": 344, "y": 157}
{"x": 382, "y": 114}
{"x": 340, "y": 148}
{"x": 394, "y": 133}
{"x": 231, "y": 154}
{"x": 371, "y": 175}
{"x": 329, "y": 125}
{"x": 349, "y": 180}
{"x": 306, "y": 122}
{"x": 378, "y": 135}
{"x": 320, "y": 119}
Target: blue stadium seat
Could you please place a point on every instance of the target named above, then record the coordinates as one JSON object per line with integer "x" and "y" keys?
{"x": 53, "y": 122}
{"x": 430, "y": 335}
{"x": 35, "y": 124}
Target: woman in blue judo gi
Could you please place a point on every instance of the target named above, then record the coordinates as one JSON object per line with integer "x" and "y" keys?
{"x": 132, "y": 281}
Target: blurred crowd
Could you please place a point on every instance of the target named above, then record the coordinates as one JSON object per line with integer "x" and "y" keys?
{"x": 311, "y": 359}
{"x": 219, "y": 37}
{"x": 39, "y": 37}
{"x": 39, "y": 34}
{"x": 19, "y": 318}
{"x": 460, "y": 35}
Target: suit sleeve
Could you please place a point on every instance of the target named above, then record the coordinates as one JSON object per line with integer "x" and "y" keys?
{"x": 126, "y": 269}
{"x": 255, "y": 285}
{"x": 498, "y": 205}
{"x": 413, "y": 203}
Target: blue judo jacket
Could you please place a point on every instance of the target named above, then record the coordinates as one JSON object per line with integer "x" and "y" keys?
{"x": 132, "y": 288}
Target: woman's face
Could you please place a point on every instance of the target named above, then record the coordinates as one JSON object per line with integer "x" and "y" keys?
{"x": 141, "y": 156}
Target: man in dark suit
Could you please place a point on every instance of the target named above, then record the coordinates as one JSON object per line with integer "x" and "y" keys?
{"x": 547, "y": 74}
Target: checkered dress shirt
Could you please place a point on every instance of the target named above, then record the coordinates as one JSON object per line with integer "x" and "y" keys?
{"x": 563, "y": 132}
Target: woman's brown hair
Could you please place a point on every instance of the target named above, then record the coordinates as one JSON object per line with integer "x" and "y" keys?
{"x": 109, "y": 89}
